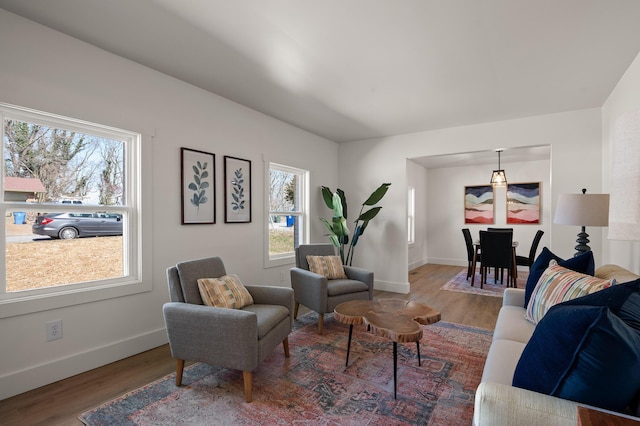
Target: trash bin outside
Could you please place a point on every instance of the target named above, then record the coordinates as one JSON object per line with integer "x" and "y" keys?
{"x": 19, "y": 218}
{"x": 290, "y": 220}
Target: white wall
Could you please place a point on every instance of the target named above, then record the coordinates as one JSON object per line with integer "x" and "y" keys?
{"x": 625, "y": 98}
{"x": 446, "y": 193}
{"x": 48, "y": 71}
{"x": 575, "y": 140}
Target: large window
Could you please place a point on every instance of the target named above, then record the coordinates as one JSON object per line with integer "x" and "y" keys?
{"x": 70, "y": 205}
{"x": 286, "y": 227}
{"x": 411, "y": 215}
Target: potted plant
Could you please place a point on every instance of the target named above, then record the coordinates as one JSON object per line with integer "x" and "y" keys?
{"x": 338, "y": 230}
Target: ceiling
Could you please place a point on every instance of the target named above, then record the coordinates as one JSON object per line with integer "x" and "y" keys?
{"x": 359, "y": 69}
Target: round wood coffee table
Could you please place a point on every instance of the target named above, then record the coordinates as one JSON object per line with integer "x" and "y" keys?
{"x": 395, "y": 319}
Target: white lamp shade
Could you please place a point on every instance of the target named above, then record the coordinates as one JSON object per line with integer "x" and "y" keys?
{"x": 582, "y": 210}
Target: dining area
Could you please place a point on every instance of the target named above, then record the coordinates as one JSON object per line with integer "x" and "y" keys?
{"x": 496, "y": 252}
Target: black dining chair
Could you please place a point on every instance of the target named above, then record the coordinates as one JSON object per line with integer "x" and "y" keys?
{"x": 497, "y": 252}
{"x": 469, "y": 243}
{"x": 500, "y": 230}
{"x": 528, "y": 261}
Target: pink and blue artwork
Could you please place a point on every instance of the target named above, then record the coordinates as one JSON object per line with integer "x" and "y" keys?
{"x": 523, "y": 203}
{"x": 478, "y": 204}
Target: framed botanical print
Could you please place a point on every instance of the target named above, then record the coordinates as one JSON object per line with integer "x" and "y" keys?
{"x": 478, "y": 204}
{"x": 523, "y": 203}
{"x": 237, "y": 190}
{"x": 198, "y": 190}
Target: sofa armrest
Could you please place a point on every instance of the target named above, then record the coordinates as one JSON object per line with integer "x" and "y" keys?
{"x": 360, "y": 274}
{"x": 513, "y": 297}
{"x": 205, "y": 333}
{"x": 503, "y": 405}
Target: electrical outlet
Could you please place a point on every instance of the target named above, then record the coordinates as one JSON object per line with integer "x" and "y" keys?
{"x": 54, "y": 330}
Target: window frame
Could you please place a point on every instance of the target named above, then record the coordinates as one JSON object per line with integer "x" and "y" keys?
{"x": 35, "y": 300}
{"x": 303, "y": 212}
{"x": 411, "y": 215}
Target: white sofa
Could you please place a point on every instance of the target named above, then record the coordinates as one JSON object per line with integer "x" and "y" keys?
{"x": 496, "y": 401}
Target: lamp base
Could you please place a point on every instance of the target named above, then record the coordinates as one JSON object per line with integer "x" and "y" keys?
{"x": 583, "y": 240}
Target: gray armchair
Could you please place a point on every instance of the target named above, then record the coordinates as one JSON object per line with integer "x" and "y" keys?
{"x": 320, "y": 294}
{"x": 230, "y": 338}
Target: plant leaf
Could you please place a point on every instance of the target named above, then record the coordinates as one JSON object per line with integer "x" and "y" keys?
{"x": 343, "y": 199}
{"x": 193, "y": 187}
{"x": 370, "y": 214}
{"x": 377, "y": 195}
{"x": 327, "y": 196}
{"x": 204, "y": 174}
{"x": 204, "y": 185}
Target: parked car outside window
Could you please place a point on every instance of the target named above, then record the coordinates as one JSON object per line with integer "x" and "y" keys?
{"x": 74, "y": 225}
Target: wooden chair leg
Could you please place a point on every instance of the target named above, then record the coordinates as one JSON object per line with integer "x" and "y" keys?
{"x": 179, "y": 369}
{"x": 320, "y": 323}
{"x": 246, "y": 375}
{"x": 285, "y": 345}
{"x": 295, "y": 310}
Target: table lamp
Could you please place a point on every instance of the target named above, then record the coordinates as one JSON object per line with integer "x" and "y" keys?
{"x": 582, "y": 210}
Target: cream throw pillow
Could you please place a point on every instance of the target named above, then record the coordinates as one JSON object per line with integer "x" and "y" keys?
{"x": 557, "y": 285}
{"x": 224, "y": 292}
{"x": 329, "y": 266}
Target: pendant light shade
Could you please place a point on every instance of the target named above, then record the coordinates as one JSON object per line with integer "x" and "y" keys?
{"x": 498, "y": 177}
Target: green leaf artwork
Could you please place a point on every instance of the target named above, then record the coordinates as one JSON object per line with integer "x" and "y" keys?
{"x": 237, "y": 185}
{"x": 199, "y": 184}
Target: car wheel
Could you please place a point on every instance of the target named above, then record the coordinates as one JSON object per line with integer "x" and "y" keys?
{"x": 68, "y": 233}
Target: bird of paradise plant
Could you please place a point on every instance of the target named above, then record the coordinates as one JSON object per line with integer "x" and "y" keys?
{"x": 338, "y": 230}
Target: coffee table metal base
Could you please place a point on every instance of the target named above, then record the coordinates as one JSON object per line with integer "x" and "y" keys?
{"x": 398, "y": 320}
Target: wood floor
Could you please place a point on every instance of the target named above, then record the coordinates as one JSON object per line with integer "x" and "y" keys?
{"x": 61, "y": 402}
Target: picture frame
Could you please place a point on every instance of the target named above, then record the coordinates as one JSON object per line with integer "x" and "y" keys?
{"x": 237, "y": 190}
{"x": 198, "y": 186}
{"x": 523, "y": 203}
{"x": 479, "y": 206}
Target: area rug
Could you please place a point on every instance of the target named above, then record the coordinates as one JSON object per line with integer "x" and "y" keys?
{"x": 313, "y": 386}
{"x": 460, "y": 284}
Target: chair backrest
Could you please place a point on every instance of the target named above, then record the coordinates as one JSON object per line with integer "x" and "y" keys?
{"x": 496, "y": 248}
{"x": 304, "y": 250}
{"x": 468, "y": 242}
{"x": 183, "y": 278}
{"x": 534, "y": 246}
{"x": 500, "y": 230}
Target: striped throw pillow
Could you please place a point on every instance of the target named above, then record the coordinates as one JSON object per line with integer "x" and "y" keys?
{"x": 329, "y": 266}
{"x": 224, "y": 292}
{"x": 557, "y": 285}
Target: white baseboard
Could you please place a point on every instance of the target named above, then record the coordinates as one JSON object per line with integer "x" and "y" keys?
{"x": 34, "y": 377}
{"x": 402, "y": 288}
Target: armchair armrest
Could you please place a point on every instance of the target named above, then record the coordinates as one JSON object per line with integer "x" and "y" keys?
{"x": 203, "y": 333}
{"x": 272, "y": 295}
{"x": 360, "y": 274}
{"x": 310, "y": 289}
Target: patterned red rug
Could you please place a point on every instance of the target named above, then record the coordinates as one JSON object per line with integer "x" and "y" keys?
{"x": 314, "y": 387}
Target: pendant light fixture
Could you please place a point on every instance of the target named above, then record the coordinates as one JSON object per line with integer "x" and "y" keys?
{"x": 498, "y": 177}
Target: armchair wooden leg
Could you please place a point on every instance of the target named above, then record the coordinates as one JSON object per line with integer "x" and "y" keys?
{"x": 247, "y": 385}
{"x": 179, "y": 369}
{"x": 295, "y": 310}
{"x": 320, "y": 323}
{"x": 285, "y": 345}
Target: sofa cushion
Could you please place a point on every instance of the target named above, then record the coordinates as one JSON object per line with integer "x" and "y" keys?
{"x": 501, "y": 361}
{"x": 558, "y": 284}
{"x": 584, "y": 354}
{"x": 224, "y": 292}
{"x": 329, "y": 266}
{"x": 511, "y": 325}
{"x": 583, "y": 263}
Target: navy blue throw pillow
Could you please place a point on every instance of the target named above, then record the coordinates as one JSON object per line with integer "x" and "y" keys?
{"x": 584, "y": 263}
{"x": 584, "y": 354}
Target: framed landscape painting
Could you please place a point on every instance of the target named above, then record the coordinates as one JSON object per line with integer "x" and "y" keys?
{"x": 478, "y": 204}
{"x": 523, "y": 203}
{"x": 198, "y": 190}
